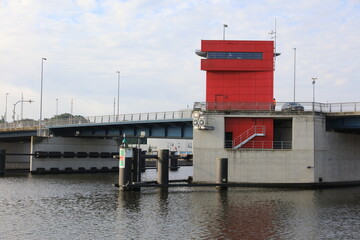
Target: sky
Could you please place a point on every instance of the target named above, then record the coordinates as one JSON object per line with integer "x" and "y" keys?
{"x": 152, "y": 44}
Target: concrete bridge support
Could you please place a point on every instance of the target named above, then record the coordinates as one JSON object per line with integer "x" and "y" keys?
{"x": 20, "y": 162}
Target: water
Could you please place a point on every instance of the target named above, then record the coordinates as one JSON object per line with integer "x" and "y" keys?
{"x": 87, "y": 206}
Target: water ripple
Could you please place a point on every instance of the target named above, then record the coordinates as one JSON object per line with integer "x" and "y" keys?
{"x": 88, "y": 207}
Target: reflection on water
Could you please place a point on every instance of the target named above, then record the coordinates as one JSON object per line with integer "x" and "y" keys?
{"x": 87, "y": 206}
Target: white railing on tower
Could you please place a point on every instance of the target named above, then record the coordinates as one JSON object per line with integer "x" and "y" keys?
{"x": 275, "y": 107}
{"x": 248, "y": 135}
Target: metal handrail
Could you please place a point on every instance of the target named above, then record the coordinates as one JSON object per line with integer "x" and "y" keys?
{"x": 265, "y": 145}
{"x": 247, "y": 134}
{"x": 274, "y": 107}
{"x": 268, "y": 145}
{"x": 28, "y": 125}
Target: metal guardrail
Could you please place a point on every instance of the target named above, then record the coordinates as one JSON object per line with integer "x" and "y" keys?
{"x": 281, "y": 145}
{"x": 33, "y": 125}
{"x": 269, "y": 106}
{"x": 203, "y": 106}
{"x": 248, "y": 135}
{"x": 265, "y": 145}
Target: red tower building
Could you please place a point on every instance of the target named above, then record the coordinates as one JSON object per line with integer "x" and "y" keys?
{"x": 239, "y": 76}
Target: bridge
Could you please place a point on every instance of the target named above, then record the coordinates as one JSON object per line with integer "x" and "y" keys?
{"x": 341, "y": 117}
{"x": 174, "y": 124}
{"x": 86, "y": 143}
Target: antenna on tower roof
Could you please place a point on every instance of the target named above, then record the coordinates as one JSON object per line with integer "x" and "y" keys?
{"x": 273, "y": 36}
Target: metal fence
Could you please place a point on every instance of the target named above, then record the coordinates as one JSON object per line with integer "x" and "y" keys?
{"x": 265, "y": 145}
{"x": 186, "y": 114}
{"x": 29, "y": 125}
{"x": 269, "y": 106}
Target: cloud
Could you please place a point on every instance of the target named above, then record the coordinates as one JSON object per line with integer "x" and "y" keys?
{"x": 152, "y": 43}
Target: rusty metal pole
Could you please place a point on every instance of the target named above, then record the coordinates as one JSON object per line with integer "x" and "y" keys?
{"x": 136, "y": 174}
{"x": 2, "y": 161}
{"x": 142, "y": 161}
{"x": 221, "y": 172}
{"x": 173, "y": 162}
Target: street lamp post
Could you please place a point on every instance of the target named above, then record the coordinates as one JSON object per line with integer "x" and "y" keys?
{"x": 72, "y": 106}
{"x": 22, "y": 106}
{"x": 294, "y": 71}
{"x": 313, "y": 83}
{"x": 41, "y": 91}
{"x": 71, "y": 111}
{"x": 57, "y": 107}
{"x": 114, "y": 105}
{"x": 118, "y": 95}
{"x": 224, "y": 26}
{"x": 5, "y": 115}
{"x": 20, "y": 101}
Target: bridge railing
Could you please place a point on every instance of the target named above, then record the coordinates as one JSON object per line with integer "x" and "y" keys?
{"x": 28, "y": 125}
{"x": 270, "y": 106}
{"x": 265, "y": 145}
{"x": 140, "y": 117}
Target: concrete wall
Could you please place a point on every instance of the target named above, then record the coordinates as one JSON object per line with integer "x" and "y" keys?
{"x": 337, "y": 155}
{"x": 256, "y": 166}
{"x": 61, "y": 144}
{"x": 17, "y": 162}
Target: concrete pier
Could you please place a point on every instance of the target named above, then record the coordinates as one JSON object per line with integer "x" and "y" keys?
{"x": 163, "y": 167}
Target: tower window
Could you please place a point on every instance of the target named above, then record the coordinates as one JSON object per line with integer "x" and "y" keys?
{"x": 235, "y": 55}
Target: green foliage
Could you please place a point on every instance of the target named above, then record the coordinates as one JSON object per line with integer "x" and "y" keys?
{"x": 66, "y": 116}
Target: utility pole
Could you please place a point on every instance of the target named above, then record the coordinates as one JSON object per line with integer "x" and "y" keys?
{"x": 41, "y": 91}
{"x": 118, "y": 95}
{"x": 313, "y": 83}
{"x": 294, "y": 71}
{"x": 224, "y": 26}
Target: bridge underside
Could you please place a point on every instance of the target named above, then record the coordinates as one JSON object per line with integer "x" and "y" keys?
{"x": 153, "y": 129}
{"x": 349, "y": 124}
{"x": 17, "y": 136}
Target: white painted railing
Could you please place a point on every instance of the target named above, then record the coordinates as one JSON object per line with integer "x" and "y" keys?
{"x": 268, "y": 145}
{"x": 265, "y": 145}
{"x": 26, "y": 125}
{"x": 270, "y": 106}
{"x": 248, "y": 135}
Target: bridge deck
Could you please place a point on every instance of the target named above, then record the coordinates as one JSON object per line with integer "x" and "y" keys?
{"x": 176, "y": 124}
